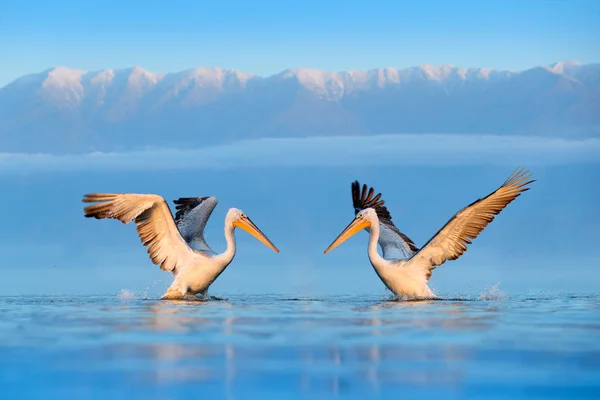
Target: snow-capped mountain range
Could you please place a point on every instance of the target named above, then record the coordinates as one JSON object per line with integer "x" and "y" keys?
{"x": 69, "y": 110}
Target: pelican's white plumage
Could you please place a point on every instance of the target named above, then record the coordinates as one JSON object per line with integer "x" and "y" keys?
{"x": 176, "y": 245}
{"x": 407, "y": 275}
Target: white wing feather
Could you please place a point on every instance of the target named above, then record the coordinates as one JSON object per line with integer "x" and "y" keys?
{"x": 451, "y": 241}
{"x": 155, "y": 226}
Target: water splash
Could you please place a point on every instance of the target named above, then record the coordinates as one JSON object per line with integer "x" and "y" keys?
{"x": 125, "y": 294}
{"x": 145, "y": 294}
{"x": 493, "y": 293}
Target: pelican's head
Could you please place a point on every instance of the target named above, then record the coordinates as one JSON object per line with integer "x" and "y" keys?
{"x": 238, "y": 219}
{"x": 364, "y": 219}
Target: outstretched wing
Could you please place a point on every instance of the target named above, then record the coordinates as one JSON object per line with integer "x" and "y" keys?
{"x": 394, "y": 244}
{"x": 191, "y": 217}
{"x": 155, "y": 225}
{"x": 451, "y": 241}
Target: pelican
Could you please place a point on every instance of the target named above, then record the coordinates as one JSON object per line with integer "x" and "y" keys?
{"x": 176, "y": 245}
{"x": 405, "y": 269}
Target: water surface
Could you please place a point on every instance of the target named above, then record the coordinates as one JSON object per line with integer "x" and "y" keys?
{"x": 99, "y": 347}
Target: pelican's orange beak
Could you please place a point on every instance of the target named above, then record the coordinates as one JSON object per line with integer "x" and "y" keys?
{"x": 355, "y": 226}
{"x": 246, "y": 224}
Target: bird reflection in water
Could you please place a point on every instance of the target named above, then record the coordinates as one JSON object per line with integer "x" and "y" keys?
{"x": 373, "y": 347}
{"x": 377, "y": 358}
{"x": 175, "y": 355}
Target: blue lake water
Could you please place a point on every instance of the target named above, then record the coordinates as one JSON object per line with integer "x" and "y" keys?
{"x": 274, "y": 347}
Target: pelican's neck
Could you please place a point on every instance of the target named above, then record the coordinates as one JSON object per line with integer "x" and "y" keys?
{"x": 230, "y": 239}
{"x": 221, "y": 261}
{"x": 376, "y": 260}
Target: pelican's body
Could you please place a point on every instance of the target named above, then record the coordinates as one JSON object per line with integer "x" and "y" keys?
{"x": 398, "y": 277}
{"x": 176, "y": 245}
{"x": 406, "y": 269}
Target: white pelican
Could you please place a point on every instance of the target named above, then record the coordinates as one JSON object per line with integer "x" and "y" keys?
{"x": 177, "y": 246}
{"x": 405, "y": 269}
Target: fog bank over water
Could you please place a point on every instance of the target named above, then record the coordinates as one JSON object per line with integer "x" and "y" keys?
{"x": 339, "y": 151}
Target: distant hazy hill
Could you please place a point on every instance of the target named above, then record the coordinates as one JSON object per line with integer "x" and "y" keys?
{"x": 69, "y": 110}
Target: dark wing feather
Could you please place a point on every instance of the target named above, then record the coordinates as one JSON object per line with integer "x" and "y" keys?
{"x": 394, "y": 244}
{"x": 191, "y": 216}
{"x": 184, "y": 205}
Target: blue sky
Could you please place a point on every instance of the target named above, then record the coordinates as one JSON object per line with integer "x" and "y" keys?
{"x": 266, "y": 37}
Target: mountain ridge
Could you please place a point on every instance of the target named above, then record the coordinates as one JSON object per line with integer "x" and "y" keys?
{"x": 72, "y": 110}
